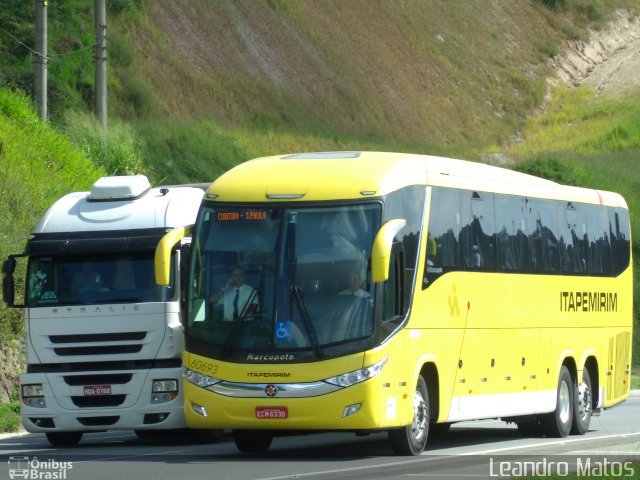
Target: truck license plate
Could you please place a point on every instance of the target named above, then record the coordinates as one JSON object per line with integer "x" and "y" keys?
{"x": 272, "y": 412}
{"x": 97, "y": 390}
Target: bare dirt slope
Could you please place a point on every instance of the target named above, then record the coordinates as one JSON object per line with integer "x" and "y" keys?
{"x": 608, "y": 60}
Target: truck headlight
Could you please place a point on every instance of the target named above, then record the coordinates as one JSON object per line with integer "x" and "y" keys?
{"x": 33, "y": 395}
{"x": 164, "y": 390}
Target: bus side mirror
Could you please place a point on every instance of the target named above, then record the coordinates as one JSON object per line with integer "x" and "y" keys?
{"x": 381, "y": 250}
{"x": 162, "y": 263}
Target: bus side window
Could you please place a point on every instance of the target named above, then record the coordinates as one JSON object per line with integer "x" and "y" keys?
{"x": 542, "y": 226}
{"x": 512, "y": 242}
{"x": 599, "y": 246}
{"x": 574, "y": 248}
{"x": 443, "y": 251}
{"x": 478, "y": 236}
{"x": 395, "y": 307}
{"x": 620, "y": 239}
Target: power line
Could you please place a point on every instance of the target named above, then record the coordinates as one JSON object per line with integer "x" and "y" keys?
{"x": 48, "y": 57}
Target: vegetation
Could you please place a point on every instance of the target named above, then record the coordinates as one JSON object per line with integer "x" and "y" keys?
{"x": 9, "y": 416}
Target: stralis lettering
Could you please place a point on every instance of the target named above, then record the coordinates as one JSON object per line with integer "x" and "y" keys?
{"x": 268, "y": 375}
{"x": 252, "y": 357}
{"x": 588, "y": 302}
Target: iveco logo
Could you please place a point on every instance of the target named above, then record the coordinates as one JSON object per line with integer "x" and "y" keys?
{"x": 270, "y": 390}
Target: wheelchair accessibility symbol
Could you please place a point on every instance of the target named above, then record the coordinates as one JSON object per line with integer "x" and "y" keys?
{"x": 283, "y": 330}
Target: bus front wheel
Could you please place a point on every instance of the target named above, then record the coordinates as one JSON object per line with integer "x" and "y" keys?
{"x": 558, "y": 423}
{"x": 252, "y": 441}
{"x": 411, "y": 439}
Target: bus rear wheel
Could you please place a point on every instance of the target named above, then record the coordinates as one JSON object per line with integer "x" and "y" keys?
{"x": 558, "y": 423}
{"x": 64, "y": 439}
{"x": 411, "y": 439}
{"x": 583, "y": 405}
{"x": 252, "y": 441}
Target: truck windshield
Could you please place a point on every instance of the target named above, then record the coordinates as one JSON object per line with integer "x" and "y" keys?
{"x": 271, "y": 280}
{"x": 93, "y": 279}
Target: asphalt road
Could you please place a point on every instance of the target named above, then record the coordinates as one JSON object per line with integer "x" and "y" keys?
{"x": 482, "y": 449}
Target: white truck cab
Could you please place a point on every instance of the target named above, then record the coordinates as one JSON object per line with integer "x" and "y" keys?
{"x": 104, "y": 342}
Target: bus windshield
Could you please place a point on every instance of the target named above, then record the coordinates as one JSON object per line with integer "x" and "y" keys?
{"x": 89, "y": 279}
{"x": 271, "y": 280}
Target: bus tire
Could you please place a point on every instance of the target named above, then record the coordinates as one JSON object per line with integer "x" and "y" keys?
{"x": 64, "y": 439}
{"x": 558, "y": 423}
{"x": 411, "y": 439}
{"x": 582, "y": 405}
{"x": 252, "y": 441}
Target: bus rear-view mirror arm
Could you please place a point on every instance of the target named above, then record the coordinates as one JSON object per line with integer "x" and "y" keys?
{"x": 163, "y": 254}
{"x": 381, "y": 250}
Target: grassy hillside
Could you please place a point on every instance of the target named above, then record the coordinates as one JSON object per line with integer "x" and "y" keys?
{"x": 38, "y": 164}
{"x": 197, "y": 86}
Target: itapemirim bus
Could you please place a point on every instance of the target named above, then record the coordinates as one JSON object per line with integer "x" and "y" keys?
{"x": 397, "y": 292}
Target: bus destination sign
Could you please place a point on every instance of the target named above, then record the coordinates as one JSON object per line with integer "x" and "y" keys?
{"x": 235, "y": 216}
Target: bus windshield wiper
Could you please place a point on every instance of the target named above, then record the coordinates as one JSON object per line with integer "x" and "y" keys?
{"x": 306, "y": 320}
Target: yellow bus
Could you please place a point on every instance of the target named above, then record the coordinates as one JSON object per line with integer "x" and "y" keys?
{"x": 368, "y": 292}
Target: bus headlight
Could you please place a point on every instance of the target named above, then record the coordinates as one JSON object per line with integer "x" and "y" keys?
{"x": 357, "y": 376}
{"x": 199, "y": 379}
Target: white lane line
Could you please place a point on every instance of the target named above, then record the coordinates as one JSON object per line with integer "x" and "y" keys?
{"x": 429, "y": 458}
{"x": 557, "y": 442}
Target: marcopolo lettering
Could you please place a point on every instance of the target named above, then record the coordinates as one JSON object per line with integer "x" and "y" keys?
{"x": 588, "y": 302}
{"x": 253, "y": 357}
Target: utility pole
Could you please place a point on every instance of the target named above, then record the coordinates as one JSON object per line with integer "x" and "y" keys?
{"x": 40, "y": 81}
{"x": 101, "y": 63}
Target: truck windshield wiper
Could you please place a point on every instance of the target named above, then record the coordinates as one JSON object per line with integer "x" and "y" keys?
{"x": 306, "y": 320}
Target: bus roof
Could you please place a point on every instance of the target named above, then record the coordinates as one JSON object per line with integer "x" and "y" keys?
{"x": 356, "y": 175}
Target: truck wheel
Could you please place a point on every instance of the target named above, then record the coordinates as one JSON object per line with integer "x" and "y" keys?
{"x": 64, "y": 439}
{"x": 583, "y": 405}
{"x": 252, "y": 441}
{"x": 411, "y": 439}
{"x": 558, "y": 423}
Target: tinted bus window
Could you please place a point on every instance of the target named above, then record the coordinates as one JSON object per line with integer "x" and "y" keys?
{"x": 443, "y": 252}
{"x": 599, "y": 246}
{"x": 574, "y": 246}
{"x": 542, "y": 226}
{"x": 512, "y": 241}
{"x": 620, "y": 239}
{"x": 478, "y": 235}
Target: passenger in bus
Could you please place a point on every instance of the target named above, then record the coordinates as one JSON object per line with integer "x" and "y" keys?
{"x": 354, "y": 283}
{"x": 238, "y": 299}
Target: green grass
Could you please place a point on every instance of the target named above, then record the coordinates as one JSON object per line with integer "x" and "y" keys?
{"x": 38, "y": 164}
{"x": 9, "y": 417}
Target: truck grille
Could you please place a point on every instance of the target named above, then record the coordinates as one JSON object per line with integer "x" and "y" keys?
{"x": 98, "y": 401}
{"x": 96, "y": 379}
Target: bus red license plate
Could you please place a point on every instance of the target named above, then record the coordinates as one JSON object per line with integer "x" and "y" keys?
{"x": 90, "y": 390}
{"x": 272, "y": 412}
